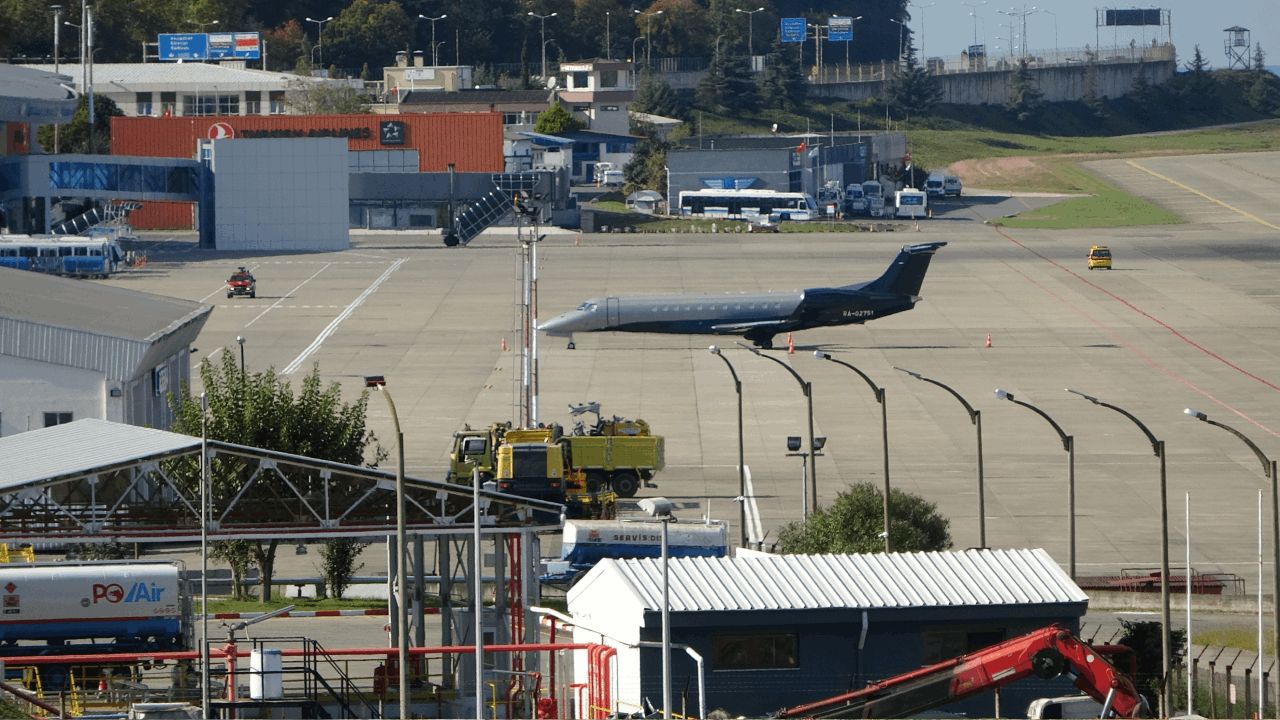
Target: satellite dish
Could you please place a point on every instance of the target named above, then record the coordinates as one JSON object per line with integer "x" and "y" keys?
{"x": 551, "y": 82}
{"x": 775, "y": 127}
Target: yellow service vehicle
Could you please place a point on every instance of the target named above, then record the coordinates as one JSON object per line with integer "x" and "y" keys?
{"x": 1100, "y": 257}
{"x": 535, "y": 464}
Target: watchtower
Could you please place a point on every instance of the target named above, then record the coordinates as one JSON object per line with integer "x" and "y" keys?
{"x": 1237, "y": 46}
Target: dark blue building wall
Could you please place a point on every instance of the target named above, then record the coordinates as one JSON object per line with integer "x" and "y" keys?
{"x": 829, "y": 661}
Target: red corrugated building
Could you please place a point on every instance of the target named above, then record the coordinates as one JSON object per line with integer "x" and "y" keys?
{"x": 471, "y": 141}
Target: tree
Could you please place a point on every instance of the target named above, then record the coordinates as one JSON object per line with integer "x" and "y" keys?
{"x": 1141, "y": 93}
{"x": 1091, "y": 98}
{"x": 647, "y": 168}
{"x": 914, "y": 91}
{"x": 1024, "y": 96}
{"x": 1196, "y": 88}
{"x": 855, "y": 520}
{"x": 655, "y": 97}
{"x": 286, "y": 45}
{"x": 1262, "y": 95}
{"x": 74, "y": 136}
{"x": 556, "y": 119}
{"x": 1147, "y": 644}
{"x": 784, "y": 86}
{"x": 727, "y": 87}
{"x": 260, "y": 410}
{"x": 339, "y": 556}
{"x": 367, "y": 31}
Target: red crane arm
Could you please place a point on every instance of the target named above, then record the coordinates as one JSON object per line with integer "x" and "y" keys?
{"x": 1045, "y": 653}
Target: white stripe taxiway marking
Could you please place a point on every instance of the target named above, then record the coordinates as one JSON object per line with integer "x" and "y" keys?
{"x": 215, "y": 352}
{"x": 288, "y": 294}
{"x": 324, "y": 334}
{"x": 755, "y": 533}
{"x": 224, "y": 287}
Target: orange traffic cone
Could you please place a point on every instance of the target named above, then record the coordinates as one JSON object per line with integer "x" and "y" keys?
{"x": 102, "y": 681}
{"x": 988, "y": 339}
{"x": 791, "y": 347}
{"x": 504, "y": 344}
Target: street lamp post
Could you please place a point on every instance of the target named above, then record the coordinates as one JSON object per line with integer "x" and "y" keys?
{"x": 240, "y": 341}
{"x": 434, "y": 60}
{"x": 742, "y": 470}
{"x": 648, "y": 46}
{"x": 975, "y": 417}
{"x": 1268, "y": 470}
{"x": 922, "y": 8}
{"x": 320, "y": 35}
{"x": 543, "y": 18}
{"x": 807, "y": 389}
{"x": 661, "y": 508}
{"x": 1166, "y": 641}
{"x": 847, "y": 66}
{"x": 1055, "y": 32}
{"x": 1068, "y": 444}
{"x": 402, "y": 617}
{"x": 901, "y": 29}
{"x": 751, "y": 29}
{"x": 884, "y": 434}
{"x": 975, "y": 18}
{"x": 57, "y": 60}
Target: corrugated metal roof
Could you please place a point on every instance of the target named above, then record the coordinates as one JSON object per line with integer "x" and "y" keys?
{"x": 465, "y": 97}
{"x": 135, "y": 76}
{"x": 87, "y": 325}
{"x": 78, "y": 447}
{"x": 895, "y": 580}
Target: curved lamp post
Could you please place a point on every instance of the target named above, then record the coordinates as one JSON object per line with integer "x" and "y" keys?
{"x": 1068, "y": 444}
{"x": 742, "y": 470}
{"x": 751, "y": 28}
{"x": 811, "y": 502}
{"x": 402, "y": 616}
{"x": 884, "y": 433}
{"x": 543, "y": 18}
{"x": 1166, "y": 630}
{"x": 975, "y": 417}
{"x": 648, "y": 46}
{"x": 320, "y": 35}
{"x": 1268, "y": 470}
{"x": 433, "y": 20}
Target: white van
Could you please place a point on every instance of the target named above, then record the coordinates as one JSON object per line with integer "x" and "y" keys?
{"x": 934, "y": 186}
{"x": 951, "y": 185}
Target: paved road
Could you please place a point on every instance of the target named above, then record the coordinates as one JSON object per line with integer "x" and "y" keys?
{"x": 1187, "y": 318}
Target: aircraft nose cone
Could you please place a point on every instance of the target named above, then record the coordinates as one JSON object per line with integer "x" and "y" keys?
{"x": 559, "y": 323}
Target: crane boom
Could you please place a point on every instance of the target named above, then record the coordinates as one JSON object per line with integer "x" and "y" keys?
{"x": 1045, "y": 653}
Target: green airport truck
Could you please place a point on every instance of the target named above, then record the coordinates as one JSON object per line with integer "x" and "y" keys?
{"x": 620, "y": 458}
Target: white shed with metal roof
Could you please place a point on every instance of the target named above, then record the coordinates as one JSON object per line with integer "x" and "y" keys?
{"x": 72, "y": 349}
{"x": 783, "y": 630}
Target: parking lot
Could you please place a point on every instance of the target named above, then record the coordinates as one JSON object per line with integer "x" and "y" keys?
{"x": 1188, "y": 317}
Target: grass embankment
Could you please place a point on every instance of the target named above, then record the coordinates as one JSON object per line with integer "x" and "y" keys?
{"x": 1243, "y": 637}
{"x": 1107, "y": 206}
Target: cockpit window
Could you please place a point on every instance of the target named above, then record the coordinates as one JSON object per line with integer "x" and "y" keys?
{"x": 587, "y": 307}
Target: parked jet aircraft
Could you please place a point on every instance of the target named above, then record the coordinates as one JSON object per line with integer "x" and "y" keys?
{"x": 756, "y": 316}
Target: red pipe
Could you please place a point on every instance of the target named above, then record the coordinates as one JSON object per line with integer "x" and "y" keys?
{"x": 214, "y": 652}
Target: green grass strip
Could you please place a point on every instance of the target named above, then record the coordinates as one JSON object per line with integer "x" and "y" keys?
{"x": 1108, "y": 206}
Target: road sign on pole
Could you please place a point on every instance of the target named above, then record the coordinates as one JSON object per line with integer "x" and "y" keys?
{"x": 210, "y": 46}
{"x": 186, "y": 46}
{"x": 793, "y": 30}
{"x": 840, "y": 29}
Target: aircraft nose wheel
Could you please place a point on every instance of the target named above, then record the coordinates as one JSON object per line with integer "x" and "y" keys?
{"x": 571, "y": 346}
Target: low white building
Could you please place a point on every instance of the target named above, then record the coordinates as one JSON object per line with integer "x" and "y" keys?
{"x": 73, "y": 349}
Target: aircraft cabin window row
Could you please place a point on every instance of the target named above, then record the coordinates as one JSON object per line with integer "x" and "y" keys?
{"x": 688, "y": 308}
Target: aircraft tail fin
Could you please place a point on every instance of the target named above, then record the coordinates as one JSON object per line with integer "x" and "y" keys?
{"x": 906, "y": 274}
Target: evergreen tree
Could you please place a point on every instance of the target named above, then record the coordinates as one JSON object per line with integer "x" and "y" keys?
{"x": 647, "y": 168}
{"x": 1141, "y": 93}
{"x": 1091, "y": 98}
{"x": 855, "y": 520}
{"x": 784, "y": 86}
{"x": 728, "y": 88}
{"x": 1024, "y": 97}
{"x": 74, "y": 136}
{"x": 655, "y": 96}
{"x": 913, "y": 91}
{"x": 1259, "y": 59}
{"x": 1197, "y": 88}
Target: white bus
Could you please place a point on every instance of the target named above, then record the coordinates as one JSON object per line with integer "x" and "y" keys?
{"x": 748, "y": 204}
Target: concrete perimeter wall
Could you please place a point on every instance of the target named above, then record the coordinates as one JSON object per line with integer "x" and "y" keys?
{"x": 1058, "y": 83}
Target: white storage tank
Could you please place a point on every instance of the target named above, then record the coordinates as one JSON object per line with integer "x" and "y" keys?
{"x": 266, "y": 678}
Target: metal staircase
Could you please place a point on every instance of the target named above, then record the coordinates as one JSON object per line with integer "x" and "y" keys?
{"x": 495, "y": 206}
{"x": 99, "y": 215}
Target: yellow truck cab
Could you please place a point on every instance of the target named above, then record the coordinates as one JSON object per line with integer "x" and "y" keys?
{"x": 1100, "y": 257}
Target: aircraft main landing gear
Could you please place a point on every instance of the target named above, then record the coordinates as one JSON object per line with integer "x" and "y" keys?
{"x": 571, "y": 346}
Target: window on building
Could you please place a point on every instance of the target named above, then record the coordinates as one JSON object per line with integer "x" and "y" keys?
{"x": 580, "y": 80}
{"x": 276, "y": 98}
{"x": 253, "y": 102}
{"x": 583, "y": 148}
{"x": 942, "y": 644}
{"x": 198, "y": 105}
{"x": 168, "y": 104}
{"x": 160, "y": 380}
{"x": 755, "y": 651}
{"x": 513, "y": 118}
{"x": 228, "y": 104}
{"x": 56, "y": 418}
{"x": 144, "y": 104}
{"x": 582, "y": 108}
{"x": 609, "y": 108}
{"x": 608, "y": 78}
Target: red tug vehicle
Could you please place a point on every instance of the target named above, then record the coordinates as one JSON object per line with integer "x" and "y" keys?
{"x": 1045, "y": 653}
{"x": 242, "y": 283}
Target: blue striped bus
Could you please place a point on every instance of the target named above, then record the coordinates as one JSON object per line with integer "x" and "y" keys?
{"x": 71, "y": 256}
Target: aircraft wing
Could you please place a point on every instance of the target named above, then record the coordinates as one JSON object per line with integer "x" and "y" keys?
{"x": 779, "y": 325}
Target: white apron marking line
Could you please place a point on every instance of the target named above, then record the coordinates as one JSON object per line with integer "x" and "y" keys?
{"x": 755, "y": 533}
{"x": 288, "y": 294}
{"x": 324, "y": 334}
